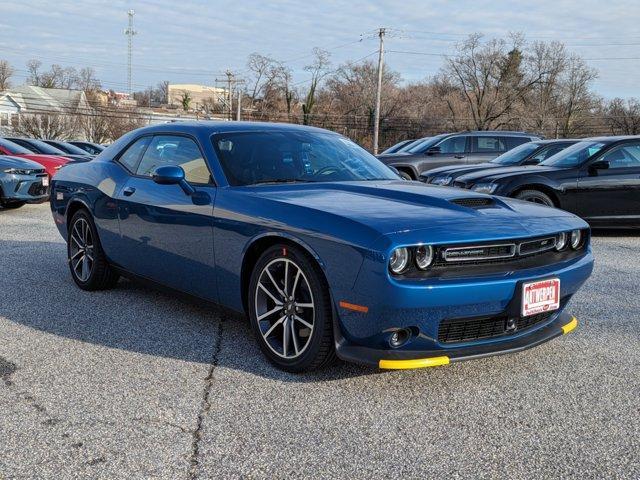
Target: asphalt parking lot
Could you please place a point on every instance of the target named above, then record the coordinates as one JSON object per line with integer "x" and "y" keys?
{"x": 134, "y": 383}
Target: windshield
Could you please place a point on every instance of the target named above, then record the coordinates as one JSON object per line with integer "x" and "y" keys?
{"x": 516, "y": 155}
{"x": 14, "y": 148}
{"x": 574, "y": 155}
{"x": 425, "y": 143}
{"x": 69, "y": 148}
{"x": 249, "y": 158}
{"x": 46, "y": 148}
{"x": 411, "y": 144}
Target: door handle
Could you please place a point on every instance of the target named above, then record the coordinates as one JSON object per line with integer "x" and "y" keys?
{"x": 128, "y": 191}
{"x": 458, "y": 156}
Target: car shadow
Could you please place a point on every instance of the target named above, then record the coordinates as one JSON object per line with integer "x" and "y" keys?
{"x": 38, "y": 292}
{"x": 612, "y": 232}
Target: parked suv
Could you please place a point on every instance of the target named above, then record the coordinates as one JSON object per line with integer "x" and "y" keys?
{"x": 454, "y": 149}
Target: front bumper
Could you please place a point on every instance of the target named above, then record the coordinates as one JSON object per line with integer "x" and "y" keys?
{"x": 408, "y": 359}
{"x": 423, "y": 307}
{"x": 24, "y": 188}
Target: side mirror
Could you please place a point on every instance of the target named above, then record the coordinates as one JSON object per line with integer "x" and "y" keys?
{"x": 599, "y": 165}
{"x": 172, "y": 175}
{"x": 433, "y": 150}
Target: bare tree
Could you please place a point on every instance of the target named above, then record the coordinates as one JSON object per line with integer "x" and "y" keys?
{"x": 6, "y": 72}
{"x": 319, "y": 70}
{"x": 576, "y": 98}
{"x": 261, "y": 68}
{"x": 51, "y": 126}
{"x": 492, "y": 79}
{"x": 87, "y": 80}
{"x": 56, "y": 77}
{"x": 623, "y": 116}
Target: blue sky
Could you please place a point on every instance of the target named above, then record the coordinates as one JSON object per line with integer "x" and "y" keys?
{"x": 195, "y": 41}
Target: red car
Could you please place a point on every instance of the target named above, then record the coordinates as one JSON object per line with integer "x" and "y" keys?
{"x": 51, "y": 163}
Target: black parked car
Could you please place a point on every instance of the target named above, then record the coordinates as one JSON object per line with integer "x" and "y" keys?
{"x": 454, "y": 149}
{"x": 68, "y": 148}
{"x": 89, "y": 147}
{"x": 597, "y": 179}
{"x": 531, "y": 153}
{"x": 38, "y": 146}
{"x": 396, "y": 147}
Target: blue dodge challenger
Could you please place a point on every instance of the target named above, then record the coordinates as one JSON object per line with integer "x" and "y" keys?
{"x": 327, "y": 251}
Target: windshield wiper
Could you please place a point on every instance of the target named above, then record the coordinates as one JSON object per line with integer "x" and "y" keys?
{"x": 282, "y": 180}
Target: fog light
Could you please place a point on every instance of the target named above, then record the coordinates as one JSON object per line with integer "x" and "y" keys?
{"x": 576, "y": 238}
{"x": 399, "y": 337}
{"x": 562, "y": 241}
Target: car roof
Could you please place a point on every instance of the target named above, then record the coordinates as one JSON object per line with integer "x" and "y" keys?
{"x": 616, "y": 138}
{"x": 558, "y": 140}
{"x": 212, "y": 126}
{"x": 496, "y": 132}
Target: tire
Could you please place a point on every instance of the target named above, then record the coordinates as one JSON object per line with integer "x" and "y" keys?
{"x": 94, "y": 273}
{"x": 405, "y": 175}
{"x": 307, "y": 318}
{"x": 535, "y": 196}
{"x": 11, "y": 205}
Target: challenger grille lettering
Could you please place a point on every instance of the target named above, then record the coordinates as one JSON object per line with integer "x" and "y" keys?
{"x": 486, "y": 252}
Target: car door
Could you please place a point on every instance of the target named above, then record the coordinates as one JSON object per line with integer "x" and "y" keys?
{"x": 166, "y": 233}
{"x": 486, "y": 147}
{"x": 611, "y": 195}
{"x": 450, "y": 151}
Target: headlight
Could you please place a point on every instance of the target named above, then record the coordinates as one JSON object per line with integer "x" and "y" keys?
{"x": 576, "y": 238}
{"x": 485, "y": 187}
{"x": 424, "y": 256}
{"x": 399, "y": 260}
{"x": 561, "y": 241}
{"x": 441, "y": 180}
{"x": 18, "y": 171}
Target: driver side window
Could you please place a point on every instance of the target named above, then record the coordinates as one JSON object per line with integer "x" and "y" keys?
{"x": 624, "y": 156}
{"x": 175, "y": 150}
{"x": 453, "y": 145}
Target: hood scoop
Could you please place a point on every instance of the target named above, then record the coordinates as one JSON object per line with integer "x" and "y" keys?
{"x": 474, "y": 202}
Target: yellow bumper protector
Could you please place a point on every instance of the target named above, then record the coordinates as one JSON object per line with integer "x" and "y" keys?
{"x": 416, "y": 363}
{"x": 570, "y": 326}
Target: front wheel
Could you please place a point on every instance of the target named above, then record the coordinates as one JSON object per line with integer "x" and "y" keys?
{"x": 535, "y": 196}
{"x": 87, "y": 262}
{"x": 290, "y": 310}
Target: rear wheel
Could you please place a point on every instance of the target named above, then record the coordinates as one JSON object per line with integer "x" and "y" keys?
{"x": 87, "y": 262}
{"x": 535, "y": 196}
{"x": 290, "y": 310}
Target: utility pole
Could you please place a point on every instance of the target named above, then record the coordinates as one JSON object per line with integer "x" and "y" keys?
{"x": 376, "y": 120}
{"x": 239, "y": 112}
{"x": 130, "y": 32}
{"x": 231, "y": 82}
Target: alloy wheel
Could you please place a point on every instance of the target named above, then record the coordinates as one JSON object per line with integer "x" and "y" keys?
{"x": 81, "y": 253}
{"x": 284, "y": 308}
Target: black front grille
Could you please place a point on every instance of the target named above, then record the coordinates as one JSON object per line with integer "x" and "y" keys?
{"x": 473, "y": 202}
{"x": 477, "y": 328}
{"x": 36, "y": 189}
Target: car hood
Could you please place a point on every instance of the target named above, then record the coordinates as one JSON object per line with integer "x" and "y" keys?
{"x": 390, "y": 157}
{"x": 457, "y": 169}
{"x": 398, "y": 207}
{"x": 37, "y": 157}
{"x": 7, "y": 161}
{"x": 503, "y": 172}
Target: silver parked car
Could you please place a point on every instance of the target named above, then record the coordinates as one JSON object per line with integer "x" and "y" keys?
{"x": 22, "y": 181}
